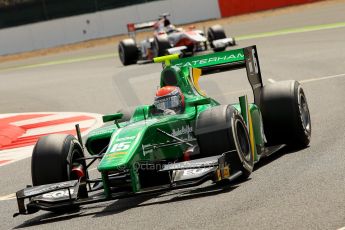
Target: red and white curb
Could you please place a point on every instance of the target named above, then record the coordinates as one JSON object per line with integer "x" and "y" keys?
{"x": 20, "y": 131}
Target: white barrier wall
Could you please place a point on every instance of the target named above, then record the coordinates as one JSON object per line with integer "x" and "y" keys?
{"x": 101, "y": 24}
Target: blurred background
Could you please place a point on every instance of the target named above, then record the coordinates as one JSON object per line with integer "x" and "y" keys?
{"x": 60, "y": 57}
{"x": 27, "y": 25}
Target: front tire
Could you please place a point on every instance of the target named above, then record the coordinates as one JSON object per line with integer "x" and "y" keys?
{"x": 221, "y": 129}
{"x": 53, "y": 158}
{"x": 286, "y": 114}
{"x": 52, "y": 161}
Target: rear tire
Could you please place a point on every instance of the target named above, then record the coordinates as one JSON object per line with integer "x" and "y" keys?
{"x": 221, "y": 129}
{"x": 128, "y": 51}
{"x": 285, "y": 114}
{"x": 214, "y": 33}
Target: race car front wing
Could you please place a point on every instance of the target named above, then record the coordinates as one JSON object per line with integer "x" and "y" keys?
{"x": 59, "y": 196}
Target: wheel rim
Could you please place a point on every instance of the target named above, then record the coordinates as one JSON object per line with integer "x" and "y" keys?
{"x": 76, "y": 154}
{"x": 304, "y": 112}
{"x": 242, "y": 140}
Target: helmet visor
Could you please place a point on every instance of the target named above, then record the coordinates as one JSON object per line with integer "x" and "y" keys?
{"x": 171, "y": 102}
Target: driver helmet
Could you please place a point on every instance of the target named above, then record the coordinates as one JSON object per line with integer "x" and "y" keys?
{"x": 170, "y": 28}
{"x": 168, "y": 99}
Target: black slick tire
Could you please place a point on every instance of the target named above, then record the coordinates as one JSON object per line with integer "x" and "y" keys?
{"x": 214, "y": 33}
{"x": 286, "y": 114}
{"x": 52, "y": 161}
{"x": 221, "y": 129}
{"x": 128, "y": 51}
{"x": 53, "y": 157}
{"x": 160, "y": 46}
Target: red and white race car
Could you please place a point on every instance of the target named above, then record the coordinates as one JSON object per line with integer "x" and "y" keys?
{"x": 167, "y": 39}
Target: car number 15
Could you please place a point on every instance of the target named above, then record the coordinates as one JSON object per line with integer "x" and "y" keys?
{"x": 122, "y": 146}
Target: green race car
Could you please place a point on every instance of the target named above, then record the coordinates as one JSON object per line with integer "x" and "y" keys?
{"x": 184, "y": 139}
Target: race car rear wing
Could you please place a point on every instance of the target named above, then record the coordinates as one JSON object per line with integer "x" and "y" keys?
{"x": 133, "y": 27}
{"x": 228, "y": 60}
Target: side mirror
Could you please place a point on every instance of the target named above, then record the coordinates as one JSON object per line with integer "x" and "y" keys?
{"x": 112, "y": 117}
{"x": 201, "y": 101}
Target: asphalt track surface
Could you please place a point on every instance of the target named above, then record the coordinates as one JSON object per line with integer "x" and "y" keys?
{"x": 289, "y": 190}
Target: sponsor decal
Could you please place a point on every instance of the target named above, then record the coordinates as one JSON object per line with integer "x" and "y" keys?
{"x": 149, "y": 147}
{"x": 193, "y": 172}
{"x": 58, "y": 194}
{"x": 120, "y": 147}
{"x": 202, "y": 165}
{"x": 183, "y": 131}
{"x": 187, "y": 174}
{"x": 122, "y": 144}
{"x": 253, "y": 64}
{"x": 211, "y": 59}
{"x": 226, "y": 172}
{"x": 104, "y": 130}
{"x": 115, "y": 155}
{"x": 34, "y": 191}
{"x": 126, "y": 138}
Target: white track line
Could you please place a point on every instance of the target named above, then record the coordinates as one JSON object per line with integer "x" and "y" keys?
{"x": 16, "y": 154}
{"x": 314, "y": 79}
{"x": 301, "y": 81}
{"x": 60, "y": 127}
{"x": 50, "y": 117}
{"x": 322, "y": 78}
